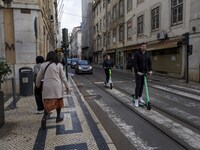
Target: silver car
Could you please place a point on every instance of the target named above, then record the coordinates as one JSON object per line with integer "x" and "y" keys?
{"x": 83, "y": 66}
{"x": 73, "y": 62}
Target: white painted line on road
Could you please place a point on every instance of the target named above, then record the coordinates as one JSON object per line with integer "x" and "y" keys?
{"x": 189, "y": 89}
{"x": 185, "y": 134}
{"x": 127, "y": 130}
{"x": 113, "y": 82}
{"x": 188, "y": 95}
{"x": 99, "y": 125}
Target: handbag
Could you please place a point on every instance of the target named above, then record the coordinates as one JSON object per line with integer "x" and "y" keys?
{"x": 41, "y": 85}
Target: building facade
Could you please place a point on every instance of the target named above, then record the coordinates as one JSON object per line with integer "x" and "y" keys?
{"x": 86, "y": 29}
{"x": 75, "y": 48}
{"x": 29, "y": 29}
{"x": 162, "y": 24}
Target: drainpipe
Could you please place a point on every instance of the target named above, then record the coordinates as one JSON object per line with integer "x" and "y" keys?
{"x": 36, "y": 34}
{"x": 199, "y": 73}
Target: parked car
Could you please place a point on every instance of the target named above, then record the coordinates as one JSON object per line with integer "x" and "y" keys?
{"x": 69, "y": 61}
{"x": 73, "y": 62}
{"x": 83, "y": 66}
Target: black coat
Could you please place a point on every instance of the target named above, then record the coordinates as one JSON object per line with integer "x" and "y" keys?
{"x": 107, "y": 64}
{"x": 142, "y": 62}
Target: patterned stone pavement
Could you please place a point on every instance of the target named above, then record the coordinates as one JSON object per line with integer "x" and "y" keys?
{"x": 80, "y": 129}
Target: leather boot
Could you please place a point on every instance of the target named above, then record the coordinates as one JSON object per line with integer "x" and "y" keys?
{"x": 44, "y": 120}
{"x": 58, "y": 118}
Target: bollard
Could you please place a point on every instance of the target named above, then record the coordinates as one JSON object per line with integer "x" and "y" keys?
{"x": 14, "y": 92}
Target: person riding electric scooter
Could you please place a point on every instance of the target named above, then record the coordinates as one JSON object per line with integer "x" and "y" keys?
{"x": 142, "y": 66}
{"x": 108, "y": 65}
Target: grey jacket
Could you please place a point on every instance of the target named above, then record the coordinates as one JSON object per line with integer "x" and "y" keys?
{"x": 54, "y": 79}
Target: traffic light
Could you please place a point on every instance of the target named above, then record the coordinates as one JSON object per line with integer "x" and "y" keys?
{"x": 186, "y": 38}
{"x": 189, "y": 49}
{"x": 65, "y": 38}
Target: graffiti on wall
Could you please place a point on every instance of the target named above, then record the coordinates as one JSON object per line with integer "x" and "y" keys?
{"x": 10, "y": 52}
{"x": 9, "y": 47}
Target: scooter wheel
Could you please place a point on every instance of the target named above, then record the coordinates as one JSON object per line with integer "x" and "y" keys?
{"x": 149, "y": 106}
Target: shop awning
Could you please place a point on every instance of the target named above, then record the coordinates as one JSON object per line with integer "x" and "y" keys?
{"x": 111, "y": 51}
{"x": 161, "y": 46}
{"x": 156, "y": 45}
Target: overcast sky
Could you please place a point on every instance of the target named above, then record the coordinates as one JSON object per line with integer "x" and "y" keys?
{"x": 72, "y": 13}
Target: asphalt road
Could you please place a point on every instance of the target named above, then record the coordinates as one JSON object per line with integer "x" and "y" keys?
{"x": 137, "y": 128}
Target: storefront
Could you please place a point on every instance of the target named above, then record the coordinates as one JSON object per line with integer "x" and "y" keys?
{"x": 119, "y": 57}
{"x": 168, "y": 57}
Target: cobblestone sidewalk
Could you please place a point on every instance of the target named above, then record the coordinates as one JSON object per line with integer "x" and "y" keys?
{"x": 78, "y": 130}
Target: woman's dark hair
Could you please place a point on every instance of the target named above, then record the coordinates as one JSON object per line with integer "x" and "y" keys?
{"x": 53, "y": 57}
{"x": 39, "y": 59}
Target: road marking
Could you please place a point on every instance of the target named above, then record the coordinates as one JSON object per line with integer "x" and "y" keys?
{"x": 113, "y": 82}
{"x": 185, "y": 134}
{"x": 127, "y": 130}
{"x": 189, "y": 89}
{"x": 188, "y": 95}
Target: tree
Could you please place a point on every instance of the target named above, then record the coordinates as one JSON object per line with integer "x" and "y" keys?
{"x": 4, "y": 70}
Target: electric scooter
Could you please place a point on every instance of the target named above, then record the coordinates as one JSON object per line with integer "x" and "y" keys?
{"x": 110, "y": 83}
{"x": 146, "y": 99}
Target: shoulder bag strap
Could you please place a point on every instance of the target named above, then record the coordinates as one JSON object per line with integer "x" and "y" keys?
{"x": 47, "y": 67}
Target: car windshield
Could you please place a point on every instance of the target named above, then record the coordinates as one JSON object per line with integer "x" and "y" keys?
{"x": 83, "y": 62}
{"x": 74, "y": 59}
{"x": 69, "y": 60}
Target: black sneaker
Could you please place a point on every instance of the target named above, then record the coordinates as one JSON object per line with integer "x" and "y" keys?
{"x": 59, "y": 119}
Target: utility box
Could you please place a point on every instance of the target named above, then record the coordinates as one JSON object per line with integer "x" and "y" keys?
{"x": 26, "y": 81}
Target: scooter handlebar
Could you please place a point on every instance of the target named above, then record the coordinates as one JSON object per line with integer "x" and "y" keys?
{"x": 145, "y": 74}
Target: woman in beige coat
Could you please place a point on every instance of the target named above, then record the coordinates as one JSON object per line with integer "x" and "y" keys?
{"x": 53, "y": 91}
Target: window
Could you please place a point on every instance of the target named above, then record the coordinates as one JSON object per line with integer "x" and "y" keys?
{"x": 139, "y": 1}
{"x": 129, "y": 5}
{"x": 108, "y": 40}
{"x": 104, "y": 3}
{"x": 94, "y": 30}
{"x": 97, "y": 28}
{"x": 104, "y": 20}
{"x": 114, "y": 13}
{"x": 177, "y": 11}
{"x": 121, "y": 8}
{"x": 140, "y": 25}
{"x": 97, "y": 10}
{"x": 129, "y": 29}
{"x": 100, "y": 25}
{"x": 114, "y": 36}
{"x": 121, "y": 33}
{"x": 98, "y": 42}
{"x": 104, "y": 40}
{"x": 100, "y": 6}
{"x": 25, "y": 11}
{"x": 155, "y": 19}
{"x": 109, "y": 19}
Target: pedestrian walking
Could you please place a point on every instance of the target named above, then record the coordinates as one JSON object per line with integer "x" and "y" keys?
{"x": 54, "y": 77}
{"x": 107, "y": 64}
{"x": 38, "y": 91}
{"x": 142, "y": 65}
